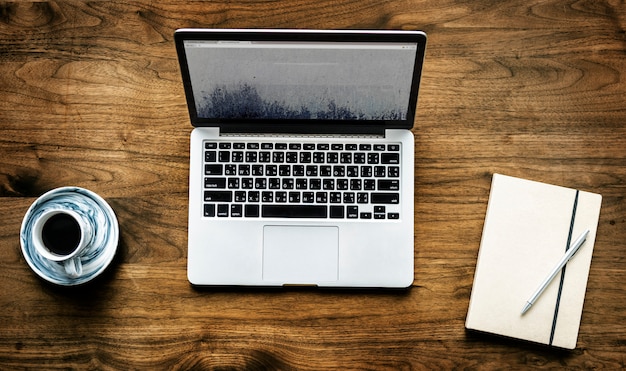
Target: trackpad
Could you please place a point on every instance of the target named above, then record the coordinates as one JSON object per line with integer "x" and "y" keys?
{"x": 300, "y": 254}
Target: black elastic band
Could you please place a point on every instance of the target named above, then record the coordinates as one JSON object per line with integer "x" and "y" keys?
{"x": 558, "y": 297}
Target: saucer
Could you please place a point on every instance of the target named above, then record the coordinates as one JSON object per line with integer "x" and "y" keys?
{"x": 98, "y": 255}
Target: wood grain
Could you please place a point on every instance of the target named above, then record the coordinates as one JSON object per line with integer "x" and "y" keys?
{"x": 90, "y": 95}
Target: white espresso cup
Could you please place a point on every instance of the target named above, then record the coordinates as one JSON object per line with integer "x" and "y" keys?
{"x": 63, "y": 236}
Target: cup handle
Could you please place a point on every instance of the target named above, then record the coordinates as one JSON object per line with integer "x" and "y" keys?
{"x": 74, "y": 267}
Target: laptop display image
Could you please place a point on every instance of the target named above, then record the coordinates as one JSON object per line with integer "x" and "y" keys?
{"x": 301, "y": 168}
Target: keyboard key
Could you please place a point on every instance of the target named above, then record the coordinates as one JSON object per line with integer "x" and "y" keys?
{"x": 366, "y": 171}
{"x": 390, "y": 158}
{"x": 210, "y": 145}
{"x": 337, "y": 212}
{"x": 388, "y": 185}
{"x": 365, "y": 147}
{"x": 294, "y": 197}
{"x": 298, "y": 170}
{"x": 211, "y": 183}
{"x": 362, "y": 198}
{"x": 257, "y": 170}
{"x": 230, "y": 169}
{"x": 244, "y": 169}
{"x": 393, "y": 171}
{"x": 305, "y": 157}
{"x": 315, "y": 184}
{"x": 292, "y": 157}
{"x": 274, "y": 183}
{"x": 352, "y": 212}
{"x": 209, "y": 210}
{"x": 280, "y": 197}
{"x": 237, "y": 156}
{"x": 267, "y": 196}
{"x": 218, "y": 196}
{"x": 265, "y": 157}
{"x": 253, "y": 196}
{"x": 352, "y": 171}
{"x": 318, "y": 157}
{"x": 278, "y": 157}
{"x": 222, "y": 210}
{"x": 385, "y": 198}
{"x": 294, "y": 211}
{"x": 271, "y": 170}
{"x": 210, "y": 156}
{"x": 213, "y": 169}
{"x": 301, "y": 183}
{"x": 223, "y": 156}
{"x": 251, "y": 156}
{"x": 251, "y": 211}
{"x": 235, "y": 211}
{"x": 339, "y": 171}
{"x": 284, "y": 170}
{"x": 247, "y": 183}
{"x": 379, "y": 171}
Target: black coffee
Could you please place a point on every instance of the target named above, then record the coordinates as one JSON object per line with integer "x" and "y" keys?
{"x": 61, "y": 234}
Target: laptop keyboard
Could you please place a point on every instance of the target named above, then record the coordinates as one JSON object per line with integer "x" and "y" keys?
{"x": 301, "y": 180}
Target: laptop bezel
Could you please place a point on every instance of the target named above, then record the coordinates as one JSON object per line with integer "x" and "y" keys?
{"x": 301, "y": 126}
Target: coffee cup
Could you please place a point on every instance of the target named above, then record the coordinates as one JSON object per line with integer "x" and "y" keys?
{"x": 63, "y": 236}
{"x": 69, "y": 236}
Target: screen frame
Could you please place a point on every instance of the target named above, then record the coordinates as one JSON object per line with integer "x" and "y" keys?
{"x": 305, "y": 125}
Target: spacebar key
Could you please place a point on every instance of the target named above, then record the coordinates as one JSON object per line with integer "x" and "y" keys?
{"x": 290, "y": 211}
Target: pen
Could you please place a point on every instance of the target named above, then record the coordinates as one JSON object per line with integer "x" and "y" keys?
{"x": 568, "y": 255}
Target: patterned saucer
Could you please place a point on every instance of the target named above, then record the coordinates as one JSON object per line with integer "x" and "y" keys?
{"x": 103, "y": 246}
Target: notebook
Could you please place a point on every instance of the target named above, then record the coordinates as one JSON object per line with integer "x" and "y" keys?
{"x": 528, "y": 227}
{"x": 301, "y": 169}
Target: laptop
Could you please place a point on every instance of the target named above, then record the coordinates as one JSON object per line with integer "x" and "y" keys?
{"x": 301, "y": 169}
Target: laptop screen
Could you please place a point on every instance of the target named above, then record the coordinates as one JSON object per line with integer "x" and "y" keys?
{"x": 300, "y": 80}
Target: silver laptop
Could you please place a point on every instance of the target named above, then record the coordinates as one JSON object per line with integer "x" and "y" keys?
{"x": 301, "y": 168}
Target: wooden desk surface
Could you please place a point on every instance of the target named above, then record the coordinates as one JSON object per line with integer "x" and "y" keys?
{"x": 90, "y": 95}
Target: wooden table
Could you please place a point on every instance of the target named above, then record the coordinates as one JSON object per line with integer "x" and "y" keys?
{"x": 91, "y": 95}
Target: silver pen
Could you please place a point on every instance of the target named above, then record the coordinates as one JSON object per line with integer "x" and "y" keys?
{"x": 568, "y": 255}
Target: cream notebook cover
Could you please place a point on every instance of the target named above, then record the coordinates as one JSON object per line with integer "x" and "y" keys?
{"x": 527, "y": 229}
